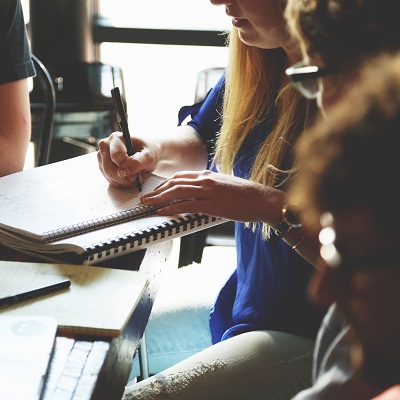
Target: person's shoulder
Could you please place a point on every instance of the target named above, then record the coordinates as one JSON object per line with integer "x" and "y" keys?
{"x": 8, "y": 6}
{"x": 11, "y": 13}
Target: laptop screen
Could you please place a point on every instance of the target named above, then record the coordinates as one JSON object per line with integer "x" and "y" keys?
{"x": 26, "y": 346}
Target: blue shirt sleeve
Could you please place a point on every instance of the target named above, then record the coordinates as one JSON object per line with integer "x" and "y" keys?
{"x": 206, "y": 115}
{"x": 15, "y": 55}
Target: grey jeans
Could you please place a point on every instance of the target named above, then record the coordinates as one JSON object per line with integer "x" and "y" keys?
{"x": 254, "y": 365}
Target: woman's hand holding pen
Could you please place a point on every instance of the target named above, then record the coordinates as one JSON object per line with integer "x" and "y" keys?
{"x": 118, "y": 168}
{"x": 165, "y": 154}
{"x": 214, "y": 194}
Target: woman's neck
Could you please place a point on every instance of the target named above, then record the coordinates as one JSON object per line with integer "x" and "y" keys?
{"x": 293, "y": 53}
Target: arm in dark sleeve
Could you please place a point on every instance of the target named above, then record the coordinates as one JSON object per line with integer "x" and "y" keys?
{"x": 15, "y": 55}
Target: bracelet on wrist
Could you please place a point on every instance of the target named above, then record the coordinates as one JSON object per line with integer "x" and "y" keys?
{"x": 301, "y": 239}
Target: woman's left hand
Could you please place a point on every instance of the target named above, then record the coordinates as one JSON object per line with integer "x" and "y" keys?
{"x": 214, "y": 194}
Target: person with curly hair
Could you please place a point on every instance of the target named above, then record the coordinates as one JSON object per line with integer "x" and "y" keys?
{"x": 337, "y": 38}
{"x": 348, "y": 188}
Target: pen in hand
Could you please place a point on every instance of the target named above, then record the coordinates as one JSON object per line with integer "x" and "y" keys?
{"x": 30, "y": 294}
{"x": 123, "y": 125}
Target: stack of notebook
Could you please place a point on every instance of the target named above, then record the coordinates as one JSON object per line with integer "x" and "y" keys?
{"x": 67, "y": 212}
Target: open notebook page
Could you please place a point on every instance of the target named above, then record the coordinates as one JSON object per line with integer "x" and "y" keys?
{"x": 63, "y": 194}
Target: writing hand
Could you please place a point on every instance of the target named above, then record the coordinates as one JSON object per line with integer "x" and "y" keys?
{"x": 117, "y": 167}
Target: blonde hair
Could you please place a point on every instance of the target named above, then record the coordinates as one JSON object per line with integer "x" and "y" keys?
{"x": 253, "y": 93}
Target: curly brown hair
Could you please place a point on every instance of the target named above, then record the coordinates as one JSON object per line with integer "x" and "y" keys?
{"x": 337, "y": 33}
{"x": 352, "y": 160}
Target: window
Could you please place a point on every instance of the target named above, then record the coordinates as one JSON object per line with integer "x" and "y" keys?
{"x": 172, "y": 14}
{"x": 25, "y": 8}
{"x": 159, "y": 79}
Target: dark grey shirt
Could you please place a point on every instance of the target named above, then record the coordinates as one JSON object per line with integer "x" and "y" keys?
{"x": 15, "y": 59}
{"x": 334, "y": 376}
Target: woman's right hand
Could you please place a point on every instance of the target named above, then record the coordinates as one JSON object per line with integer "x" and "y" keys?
{"x": 118, "y": 168}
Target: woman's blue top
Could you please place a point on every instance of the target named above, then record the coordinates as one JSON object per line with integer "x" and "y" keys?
{"x": 268, "y": 288}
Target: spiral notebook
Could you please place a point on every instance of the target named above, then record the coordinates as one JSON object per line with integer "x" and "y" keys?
{"x": 67, "y": 212}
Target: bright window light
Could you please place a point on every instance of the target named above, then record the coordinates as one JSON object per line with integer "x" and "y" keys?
{"x": 175, "y": 14}
{"x": 25, "y": 8}
{"x": 159, "y": 79}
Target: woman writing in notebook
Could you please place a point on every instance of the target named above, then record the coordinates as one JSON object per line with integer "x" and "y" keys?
{"x": 251, "y": 146}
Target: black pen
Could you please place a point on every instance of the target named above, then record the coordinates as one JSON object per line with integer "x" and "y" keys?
{"x": 30, "y": 294}
{"x": 123, "y": 125}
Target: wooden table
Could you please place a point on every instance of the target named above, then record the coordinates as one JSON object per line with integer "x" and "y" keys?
{"x": 113, "y": 359}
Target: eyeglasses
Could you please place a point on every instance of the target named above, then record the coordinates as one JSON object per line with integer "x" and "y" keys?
{"x": 345, "y": 263}
{"x": 305, "y": 78}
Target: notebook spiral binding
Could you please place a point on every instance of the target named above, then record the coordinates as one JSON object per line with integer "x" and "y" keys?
{"x": 94, "y": 224}
{"x": 142, "y": 238}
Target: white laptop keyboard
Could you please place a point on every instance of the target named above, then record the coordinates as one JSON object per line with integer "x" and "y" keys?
{"x": 74, "y": 369}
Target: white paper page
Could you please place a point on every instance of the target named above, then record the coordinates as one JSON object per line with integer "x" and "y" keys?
{"x": 63, "y": 194}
